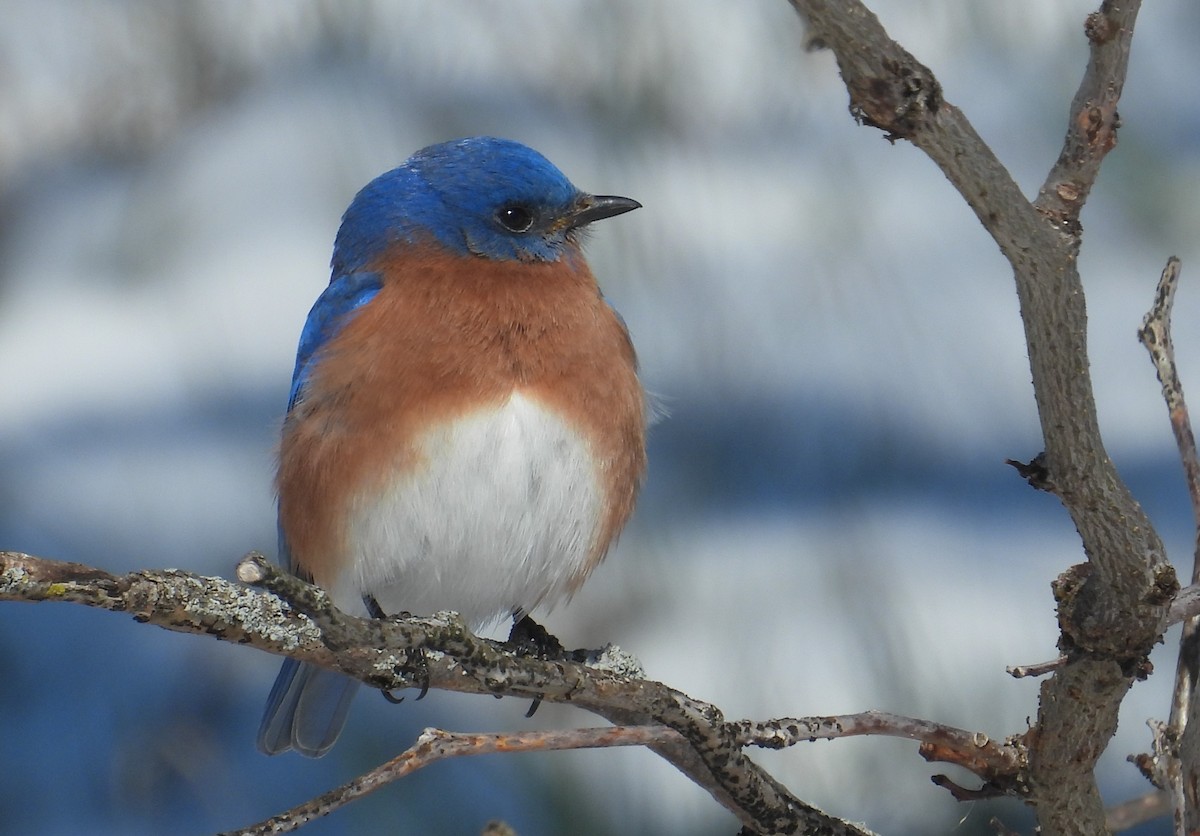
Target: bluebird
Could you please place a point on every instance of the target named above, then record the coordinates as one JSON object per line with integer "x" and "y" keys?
{"x": 465, "y": 428}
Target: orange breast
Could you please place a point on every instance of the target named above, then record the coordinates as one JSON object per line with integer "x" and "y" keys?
{"x": 446, "y": 335}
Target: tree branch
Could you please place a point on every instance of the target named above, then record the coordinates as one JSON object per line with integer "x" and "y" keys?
{"x": 1176, "y": 759}
{"x": 434, "y": 745}
{"x": 1130, "y": 814}
{"x": 299, "y": 621}
{"x": 1113, "y": 609}
{"x": 1000, "y": 765}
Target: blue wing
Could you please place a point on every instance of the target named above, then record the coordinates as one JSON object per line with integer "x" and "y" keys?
{"x": 344, "y": 295}
{"x": 307, "y": 707}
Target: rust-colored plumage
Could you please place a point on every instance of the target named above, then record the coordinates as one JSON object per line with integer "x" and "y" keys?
{"x": 441, "y": 338}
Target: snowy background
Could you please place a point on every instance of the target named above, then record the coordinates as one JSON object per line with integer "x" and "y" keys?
{"x": 828, "y": 524}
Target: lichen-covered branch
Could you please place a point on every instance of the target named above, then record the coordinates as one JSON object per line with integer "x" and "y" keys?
{"x": 295, "y": 619}
{"x": 1113, "y": 609}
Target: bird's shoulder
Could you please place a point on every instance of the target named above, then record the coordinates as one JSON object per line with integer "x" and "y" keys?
{"x": 344, "y": 295}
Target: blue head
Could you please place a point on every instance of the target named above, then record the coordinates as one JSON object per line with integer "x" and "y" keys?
{"x": 482, "y": 196}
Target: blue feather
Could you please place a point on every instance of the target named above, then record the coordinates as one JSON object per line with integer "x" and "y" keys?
{"x": 344, "y": 295}
{"x": 449, "y": 194}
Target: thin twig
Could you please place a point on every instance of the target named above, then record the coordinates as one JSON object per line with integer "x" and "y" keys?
{"x": 974, "y": 751}
{"x": 1155, "y": 335}
{"x": 1129, "y": 814}
{"x": 1185, "y": 605}
{"x": 961, "y": 793}
{"x": 1177, "y": 747}
{"x": 1036, "y": 668}
{"x": 435, "y": 745}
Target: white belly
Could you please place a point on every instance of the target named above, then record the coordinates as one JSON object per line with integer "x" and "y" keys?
{"x": 504, "y": 515}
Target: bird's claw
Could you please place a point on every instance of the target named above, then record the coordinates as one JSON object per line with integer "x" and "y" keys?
{"x": 414, "y": 657}
{"x": 528, "y": 638}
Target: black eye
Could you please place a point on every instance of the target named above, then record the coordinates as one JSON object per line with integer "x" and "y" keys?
{"x": 515, "y": 217}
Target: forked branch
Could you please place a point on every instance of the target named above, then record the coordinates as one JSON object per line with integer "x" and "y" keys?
{"x": 1113, "y": 609}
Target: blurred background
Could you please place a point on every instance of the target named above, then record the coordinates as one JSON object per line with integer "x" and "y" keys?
{"x": 828, "y": 525}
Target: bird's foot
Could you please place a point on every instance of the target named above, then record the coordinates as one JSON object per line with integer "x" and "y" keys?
{"x": 415, "y": 661}
{"x": 528, "y": 638}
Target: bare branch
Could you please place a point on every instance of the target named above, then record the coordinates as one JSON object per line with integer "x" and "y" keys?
{"x": 961, "y": 793}
{"x": 1136, "y": 811}
{"x": 1155, "y": 335}
{"x": 974, "y": 751}
{"x": 435, "y": 745}
{"x": 1185, "y": 605}
{"x": 1114, "y": 609}
{"x": 1092, "y": 128}
{"x": 1036, "y": 668}
{"x": 1177, "y": 747}
{"x": 1001, "y": 766}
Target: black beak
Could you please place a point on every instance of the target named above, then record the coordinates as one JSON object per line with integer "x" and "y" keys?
{"x": 596, "y": 207}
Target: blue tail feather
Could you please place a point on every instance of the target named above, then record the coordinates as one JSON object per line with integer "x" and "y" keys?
{"x": 306, "y": 710}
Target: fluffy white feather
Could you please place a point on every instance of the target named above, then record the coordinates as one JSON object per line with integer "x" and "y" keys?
{"x": 503, "y": 517}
